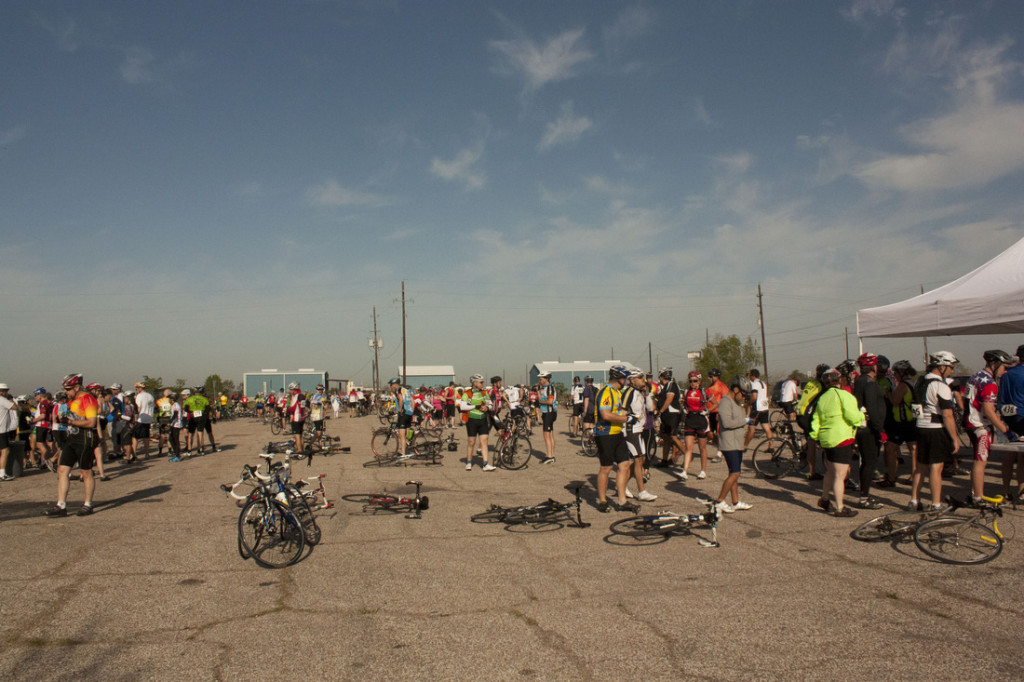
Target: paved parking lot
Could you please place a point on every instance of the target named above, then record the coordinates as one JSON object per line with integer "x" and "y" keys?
{"x": 152, "y": 587}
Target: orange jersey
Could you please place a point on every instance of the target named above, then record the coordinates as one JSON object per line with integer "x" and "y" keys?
{"x": 84, "y": 406}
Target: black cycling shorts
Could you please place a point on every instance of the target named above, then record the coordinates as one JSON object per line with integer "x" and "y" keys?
{"x": 79, "y": 450}
{"x": 788, "y": 407}
{"x": 547, "y": 419}
{"x": 404, "y": 421}
{"x": 577, "y": 409}
{"x": 842, "y": 454}
{"x": 695, "y": 424}
{"x": 140, "y": 431}
{"x": 297, "y": 427}
{"x": 477, "y": 427}
{"x": 933, "y": 446}
{"x": 612, "y": 449}
{"x": 670, "y": 423}
{"x": 713, "y": 422}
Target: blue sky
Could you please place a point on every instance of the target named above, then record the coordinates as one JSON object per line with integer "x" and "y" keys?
{"x": 197, "y": 187}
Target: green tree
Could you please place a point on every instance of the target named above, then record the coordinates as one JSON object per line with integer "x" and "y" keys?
{"x": 730, "y": 355}
{"x": 213, "y": 386}
{"x": 153, "y": 385}
{"x": 179, "y": 385}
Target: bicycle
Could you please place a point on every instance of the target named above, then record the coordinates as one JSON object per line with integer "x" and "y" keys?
{"x": 545, "y": 515}
{"x": 974, "y": 538}
{"x": 775, "y": 457}
{"x": 513, "y": 449}
{"x": 393, "y": 504}
{"x": 386, "y": 411}
{"x": 666, "y": 523}
{"x": 269, "y": 532}
{"x": 588, "y": 446}
{"x": 418, "y": 452}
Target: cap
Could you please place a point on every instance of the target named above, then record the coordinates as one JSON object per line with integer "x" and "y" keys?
{"x": 4, "y": 387}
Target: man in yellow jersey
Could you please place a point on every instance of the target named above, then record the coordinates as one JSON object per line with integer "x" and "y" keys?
{"x": 612, "y": 451}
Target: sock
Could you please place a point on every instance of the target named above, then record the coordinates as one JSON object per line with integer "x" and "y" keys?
{"x": 62, "y": 505}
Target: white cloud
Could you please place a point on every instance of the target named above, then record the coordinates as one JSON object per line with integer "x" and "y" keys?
{"x": 330, "y": 193}
{"x": 557, "y": 59}
{"x": 65, "y": 32}
{"x": 701, "y": 112}
{"x": 860, "y": 11}
{"x": 12, "y": 135}
{"x": 631, "y": 24}
{"x": 137, "y": 67}
{"x": 461, "y": 168}
{"x": 565, "y": 129}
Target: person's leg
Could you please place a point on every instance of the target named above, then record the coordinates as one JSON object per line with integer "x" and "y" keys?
{"x": 63, "y": 484}
{"x": 602, "y": 483}
{"x": 868, "y": 445}
{"x": 470, "y": 450}
{"x": 827, "y": 484}
{"x": 89, "y": 485}
{"x": 935, "y": 483}
{"x": 702, "y": 445}
{"x": 688, "y": 452}
{"x": 838, "y": 473}
{"x": 730, "y": 485}
{"x": 621, "y": 479}
{"x": 981, "y": 441}
{"x": 483, "y": 448}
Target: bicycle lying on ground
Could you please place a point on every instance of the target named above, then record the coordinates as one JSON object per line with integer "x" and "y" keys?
{"x": 419, "y": 448}
{"x": 666, "y": 523}
{"x": 962, "y": 533}
{"x": 384, "y": 503}
{"x": 546, "y": 515}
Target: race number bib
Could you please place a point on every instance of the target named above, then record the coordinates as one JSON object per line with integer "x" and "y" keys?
{"x": 317, "y": 413}
{"x": 1008, "y": 410}
{"x": 917, "y": 410}
{"x": 197, "y": 414}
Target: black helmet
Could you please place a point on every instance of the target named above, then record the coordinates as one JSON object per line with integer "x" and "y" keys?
{"x": 904, "y": 367}
{"x": 666, "y": 373}
{"x": 714, "y": 372}
{"x": 495, "y": 379}
{"x": 846, "y": 367}
{"x": 883, "y": 364}
{"x": 997, "y": 356}
{"x": 618, "y": 372}
{"x": 821, "y": 369}
{"x": 741, "y": 382}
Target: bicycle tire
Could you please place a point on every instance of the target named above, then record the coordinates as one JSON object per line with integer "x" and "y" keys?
{"x": 492, "y": 515}
{"x": 271, "y": 533}
{"x": 645, "y": 526}
{"x": 300, "y": 507}
{"x": 774, "y": 457}
{"x": 241, "y": 548}
{"x": 954, "y": 540}
{"x": 775, "y": 417}
{"x": 517, "y": 453}
{"x": 588, "y": 446}
{"x": 384, "y": 443}
{"x": 275, "y": 426}
{"x": 888, "y": 526}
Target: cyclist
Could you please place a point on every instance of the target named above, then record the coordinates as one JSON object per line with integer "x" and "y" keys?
{"x": 901, "y": 424}
{"x": 848, "y": 374}
{"x": 716, "y": 391}
{"x": 576, "y": 394}
{"x": 297, "y": 413}
{"x": 448, "y": 395}
{"x": 589, "y": 395}
{"x": 634, "y": 402}
{"x": 789, "y": 395}
{"x": 80, "y": 448}
{"x": 759, "y": 400}
{"x": 612, "y": 451}
{"x": 8, "y": 429}
{"x": 496, "y": 396}
{"x": 547, "y": 402}
{"x": 695, "y": 424}
{"x": 404, "y": 410}
{"x": 667, "y": 407}
{"x": 981, "y": 417}
{"x": 1011, "y": 399}
{"x": 195, "y": 411}
{"x": 208, "y": 421}
{"x": 317, "y": 406}
{"x": 936, "y": 429}
{"x": 871, "y": 436}
{"x": 176, "y": 424}
{"x": 163, "y": 419}
{"x": 475, "y": 406}
{"x": 145, "y": 407}
{"x": 732, "y": 423}
{"x": 834, "y": 424}
{"x": 39, "y": 442}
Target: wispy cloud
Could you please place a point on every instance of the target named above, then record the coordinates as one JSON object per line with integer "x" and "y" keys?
{"x": 12, "y": 135}
{"x": 557, "y": 59}
{"x": 137, "y": 67}
{"x": 462, "y": 168}
{"x": 65, "y": 31}
{"x": 700, "y": 112}
{"x": 330, "y": 193}
{"x": 631, "y": 24}
{"x": 565, "y": 129}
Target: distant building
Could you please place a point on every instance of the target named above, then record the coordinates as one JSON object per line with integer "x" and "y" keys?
{"x": 563, "y": 372}
{"x": 267, "y": 380}
{"x": 430, "y": 376}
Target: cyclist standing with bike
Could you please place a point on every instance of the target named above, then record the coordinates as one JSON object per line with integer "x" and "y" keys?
{"x": 634, "y": 401}
{"x": 404, "y": 409}
{"x": 759, "y": 399}
{"x": 576, "y": 394}
{"x": 834, "y": 425}
{"x": 474, "y": 405}
{"x": 669, "y": 411}
{"x": 547, "y": 401}
{"x": 317, "y": 406}
{"x": 589, "y": 396}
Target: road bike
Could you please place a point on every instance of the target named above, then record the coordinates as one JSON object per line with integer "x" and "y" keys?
{"x": 545, "y": 515}
{"x": 419, "y": 452}
{"x": 666, "y": 523}
{"x": 775, "y": 457}
{"x": 386, "y": 410}
{"x": 972, "y": 537}
{"x": 269, "y": 531}
{"x": 588, "y": 446}
{"x": 384, "y": 503}
{"x": 513, "y": 449}
{"x": 893, "y": 526}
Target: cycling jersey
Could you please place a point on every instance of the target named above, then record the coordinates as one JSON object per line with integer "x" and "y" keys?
{"x": 297, "y": 408}
{"x": 474, "y": 399}
{"x": 671, "y": 388}
{"x": 788, "y": 392}
{"x": 60, "y": 410}
{"x": 577, "y": 394}
{"x": 42, "y": 412}
{"x": 84, "y": 406}
{"x": 981, "y": 388}
{"x": 695, "y": 400}
{"x": 609, "y": 400}
{"x": 715, "y": 393}
{"x": 762, "y": 394}
{"x": 635, "y": 403}
{"x": 196, "y": 405}
{"x": 937, "y": 396}
{"x": 404, "y": 401}
{"x": 835, "y": 419}
{"x": 548, "y": 393}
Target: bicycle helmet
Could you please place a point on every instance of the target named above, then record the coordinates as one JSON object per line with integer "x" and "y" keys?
{"x": 199, "y": 389}
{"x": 72, "y": 380}
{"x": 589, "y": 379}
{"x": 943, "y": 358}
{"x": 883, "y": 364}
{"x": 617, "y": 372}
{"x": 830, "y": 377}
{"x": 990, "y": 356}
{"x": 294, "y": 386}
{"x": 394, "y": 380}
{"x": 867, "y": 360}
{"x": 714, "y": 373}
{"x": 39, "y": 391}
{"x": 319, "y": 387}
{"x": 94, "y": 387}
{"x": 21, "y": 398}
{"x": 904, "y": 367}
{"x": 544, "y": 375}
{"x": 185, "y": 393}
{"x": 636, "y": 374}
{"x": 693, "y": 375}
{"x": 495, "y": 379}
{"x": 61, "y": 395}
{"x": 115, "y": 387}
{"x": 475, "y": 378}
{"x": 742, "y": 383}
{"x": 665, "y": 373}
{"x": 846, "y": 367}
{"x": 821, "y": 369}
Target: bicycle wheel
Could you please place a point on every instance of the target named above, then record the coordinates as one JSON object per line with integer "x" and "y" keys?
{"x": 385, "y": 413}
{"x": 517, "y": 453}
{"x": 773, "y": 458}
{"x": 589, "y": 445}
{"x": 775, "y": 417}
{"x": 492, "y": 515}
{"x": 300, "y": 507}
{"x": 645, "y": 526}
{"x": 275, "y": 426}
{"x": 270, "y": 533}
{"x": 954, "y": 540}
{"x": 887, "y": 526}
{"x": 384, "y": 443}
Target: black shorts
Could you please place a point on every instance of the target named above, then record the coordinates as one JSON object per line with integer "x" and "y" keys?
{"x": 297, "y": 427}
{"x": 733, "y": 460}
{"x": 761, "y": 417}
{"x": 60, "y": 438}
{"x": 588, "y": 417}
{"x": 449, "y": 410}
{"x": 140, "y": 431}
{"x": 42, "y": 434}
{"x": 713, "y": 422}
{"x": 80, "y": 450}
{"x": 404, "y": 421}
{"x": 670, "y": 423}
{"x": 6, "y": 439}
{"x": 196, "y": 424}
{"x": 636, "y": 444}
{"x": 804, "y": 422}
{"x": 319, "y": 425}
{"x": 612, "y": 449}
{"x": 577, "y": 409}
{"x": 903, "y": 432}
{"x": 695, "y": 424}
{"x": 477, "y": 427}
{"x": 788, "y": 408}
{"x": 547, "y": 419}
{"x": 842, "y": 454}
{"x": 933, "y": 446}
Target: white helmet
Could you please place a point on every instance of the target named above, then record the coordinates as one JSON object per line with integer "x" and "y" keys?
{"x": 943, "y": 358}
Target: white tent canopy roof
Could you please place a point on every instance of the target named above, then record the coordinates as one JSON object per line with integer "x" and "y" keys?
{"x": 988, "y": 300}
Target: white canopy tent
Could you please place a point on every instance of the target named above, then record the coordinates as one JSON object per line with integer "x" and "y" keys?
{"x": 988, "y": 300}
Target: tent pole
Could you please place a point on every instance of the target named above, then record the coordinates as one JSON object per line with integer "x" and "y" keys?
{"x": 860, "y": 341}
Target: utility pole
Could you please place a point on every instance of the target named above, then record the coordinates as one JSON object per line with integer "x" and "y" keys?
{"x": 707, "y": 337}
{"x": 404, "y": 365}
{"x": 650, "y": 362}
{"x": 613, "y": 352}
{"x": 846, "y": 338}
{"x": 760, "y": 323}
{"x": 376, "y": 355}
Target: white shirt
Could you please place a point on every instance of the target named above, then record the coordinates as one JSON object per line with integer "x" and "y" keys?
{"x": 146, "y": 405}
{"x": 8, "y": 415}
{"x": 762, "y": 394}
{"x": 788, "y": 394}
